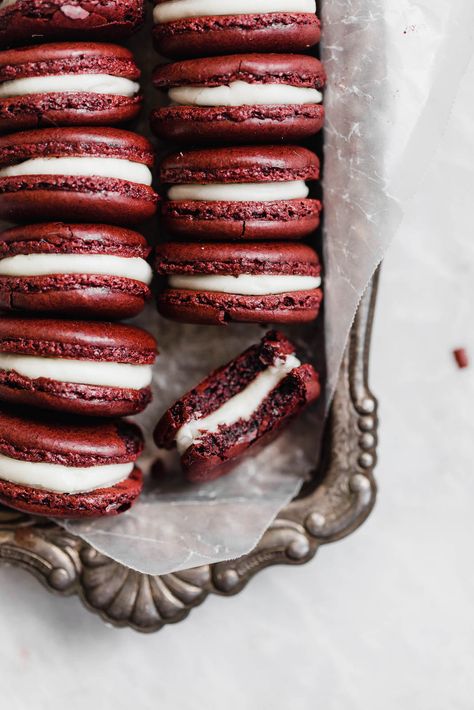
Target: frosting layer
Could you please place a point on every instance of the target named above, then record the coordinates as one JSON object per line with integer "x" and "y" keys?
{"x": 82, "y": 83}
{"x": 242, "y": 192}
{"x": 242, "y": 93}
{"x": 82, "y": 167}
{"x": 245, "y": 284}
{"x": 81, "y": 372}
{"x": 180, "y": 9}
{"x": 106, "y": 264}
{"x": 62, "y": 479}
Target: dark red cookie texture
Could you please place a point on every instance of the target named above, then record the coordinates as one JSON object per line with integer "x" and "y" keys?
{"x": 67, "y": 108}
{"x": 89, "y": 199}
{"x": 217, "y": 453}
{"x": 76, "y": 340}
{"x": 239, "y": 124}
{"x": 74, "y": 295}
{"x": 221, "y": 220}
{"x": 229, "y": 34}
{"x": 75, "y": 442}
{"x": 214, "y": 308}
{"x": 30, "y": 21}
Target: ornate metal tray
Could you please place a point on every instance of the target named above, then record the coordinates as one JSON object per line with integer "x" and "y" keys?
{"x": 336, "y": 502}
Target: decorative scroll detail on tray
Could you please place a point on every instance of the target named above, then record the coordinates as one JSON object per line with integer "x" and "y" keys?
{"x": 336, "y": 507}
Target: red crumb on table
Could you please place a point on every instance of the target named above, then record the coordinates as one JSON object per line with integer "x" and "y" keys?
{"x": 461, "y": 357}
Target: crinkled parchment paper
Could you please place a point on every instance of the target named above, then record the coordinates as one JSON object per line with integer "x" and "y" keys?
{"x": 394, "y": 69}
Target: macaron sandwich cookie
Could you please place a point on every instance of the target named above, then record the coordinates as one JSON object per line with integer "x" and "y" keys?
{"x": 79, "y": 174}
{"x": 74, "y": 270}
{"x": 78, "y": 367}
{"x": 241, "y": 405}
{"x": 240, "y": 193}
{"x": 260, "y": 282}
{"x": 67, "y": 84}
{"x": 192, "y": 28}
{"x": 246, "y": 98}
{"x": 26, "y": 21}
{"x": 68, "y": 468}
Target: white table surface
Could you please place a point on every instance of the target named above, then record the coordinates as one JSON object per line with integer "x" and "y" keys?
{"x": 384, "y": 619}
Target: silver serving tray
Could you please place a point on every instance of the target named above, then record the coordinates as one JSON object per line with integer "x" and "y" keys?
{"x": 336, "y": 502}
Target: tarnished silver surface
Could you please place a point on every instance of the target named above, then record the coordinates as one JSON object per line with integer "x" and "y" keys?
{"x": 338, "y": 501}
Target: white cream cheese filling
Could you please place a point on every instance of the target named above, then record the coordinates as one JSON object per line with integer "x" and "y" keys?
{"x": 241, "y": 406}
{"x": 81, "y": 372}
{"x": 245, "y": 284}
{"x": 180, "y": 9}
{"x": 241, "y": 93}
{"x": 7, "y": 3}
{"x": 241, "y": 192}
{"x": 82, "y": 167}
{"x": 82, "y": 83}
{"x": 97, "y": 264}
{"x": 62, "y": 479}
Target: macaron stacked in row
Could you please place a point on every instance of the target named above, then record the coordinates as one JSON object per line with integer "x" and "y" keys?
{"x": 70, "y": 183}
{"x": 235, "y": 209}
{"x": 238, "y": 192}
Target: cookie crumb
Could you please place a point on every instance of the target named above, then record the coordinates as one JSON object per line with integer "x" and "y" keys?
{"x": 461, "y": 357}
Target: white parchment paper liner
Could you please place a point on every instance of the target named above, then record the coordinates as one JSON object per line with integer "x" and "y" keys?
{"x": 394, "y": 69}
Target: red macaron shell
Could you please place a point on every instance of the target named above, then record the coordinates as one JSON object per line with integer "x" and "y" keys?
{"x": 229, "y": 34}
{"x": 70, "y": 238}
{"x": 44, "y": 197}
{"x": 239, "y": 124}
{"x": 216, "y": 308}
{"x": 73, "y": 295}
{"x": 207, "y": 308}
{"x": 220, "y": 220}
{"x": 236, "y": 124}
{"x": 103, "y": 502}
{"x": 82, "y": 340}
{"x": 217, "y": 453}
{"x": 69, "y": 442}
{"x": 78, "y": 340}
{"x": 40, "y": 20}
{"x": 295, "y": 70}
{"x": 235, "y": 259}
{"x": 242, "y": 164}
{"x": 66, "y": 108}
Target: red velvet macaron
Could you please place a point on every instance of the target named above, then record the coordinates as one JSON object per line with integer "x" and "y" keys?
{"x": 205, "y": 27}
{"x": 238, "y": 408}
{"x": 27, "y": 21}
{"x": 78, "y": 174}
{"x": 69, "y": 467}
{"x": 80, "y": 367}
{"x": 240, "y": 98}
{"x": 67, "y": 84}
{"x": 262, "y": 282}
{"x": 240, "y": 193}
{"x": 75, "y": 270}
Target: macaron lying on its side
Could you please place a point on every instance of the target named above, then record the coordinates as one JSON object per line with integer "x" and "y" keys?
{"x": 26, "y": 21}
{"x": 240, "y": 193}
{"x": 263, "y": 282}
{"x": 240, "y": 406}
{"x": 80, "y": 367}
{"x": 78, "y": 174}
{"x": 67, "y": 84}
{"x": 193, "y": 28}
{"x": 69, "y": 467}
{"x": 240, "y": 98}
{"x": 75, "y": 270}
